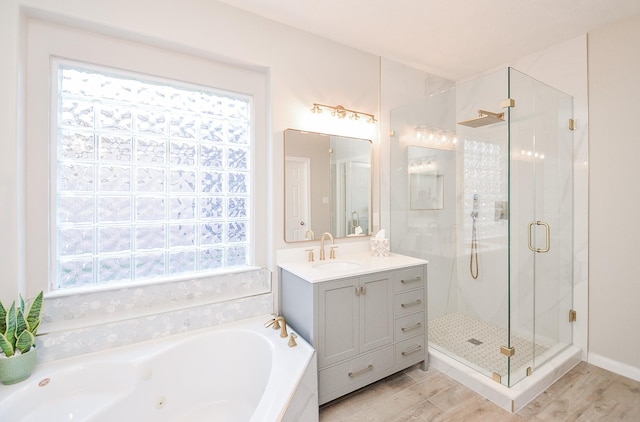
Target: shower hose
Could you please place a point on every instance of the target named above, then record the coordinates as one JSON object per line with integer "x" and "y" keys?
{"x": 473, "y": 260}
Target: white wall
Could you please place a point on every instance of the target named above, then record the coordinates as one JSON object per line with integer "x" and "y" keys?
{"x": 614, "y": 205}
{"x": 303, "y": 69}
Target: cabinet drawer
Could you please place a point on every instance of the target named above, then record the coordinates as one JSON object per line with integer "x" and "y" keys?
{"x": 409, "y": 278}
{"x": 354, "y": 373}
{"x": 411, "y": 351}
{"x": 409, "y": 302}
{"x": 409, "y": 326}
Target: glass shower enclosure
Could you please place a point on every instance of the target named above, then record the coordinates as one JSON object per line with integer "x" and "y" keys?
{"x": 482, "y": 178}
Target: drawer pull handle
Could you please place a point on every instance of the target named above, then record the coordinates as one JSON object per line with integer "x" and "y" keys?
{"x": 413, "y": 327}
{"x": 362, "y": 371}
{"x": 408, "y": 352}
{"x": 417, "y": 302}
{"x": 412, "y": 280}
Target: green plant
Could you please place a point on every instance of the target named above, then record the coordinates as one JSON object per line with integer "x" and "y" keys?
{"x": 18, "y": 328}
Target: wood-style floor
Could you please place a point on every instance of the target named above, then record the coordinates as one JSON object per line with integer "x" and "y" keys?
{"x": 586, "y": 393}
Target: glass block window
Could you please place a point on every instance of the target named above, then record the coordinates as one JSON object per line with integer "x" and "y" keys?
{"x": 152, "y": 177}
{"x": 484, "y": 175}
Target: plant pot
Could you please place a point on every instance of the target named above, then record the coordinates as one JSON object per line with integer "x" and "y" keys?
{"x": 18, "y": 367}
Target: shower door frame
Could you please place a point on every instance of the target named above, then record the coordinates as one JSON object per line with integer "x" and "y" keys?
{"x": 541, "y": 224}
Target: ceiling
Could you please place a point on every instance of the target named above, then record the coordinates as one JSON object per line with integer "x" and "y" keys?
{"x": 449, "y": 38}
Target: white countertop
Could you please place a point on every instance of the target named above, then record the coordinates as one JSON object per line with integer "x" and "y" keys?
{"x": 367, "y": 264}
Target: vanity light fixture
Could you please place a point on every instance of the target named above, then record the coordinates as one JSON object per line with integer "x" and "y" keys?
{"x": 341, "y": 112}
{"x": 435, "y": 135}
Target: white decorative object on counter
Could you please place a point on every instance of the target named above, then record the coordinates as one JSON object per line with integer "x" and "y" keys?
{"x": 380, "y": 247}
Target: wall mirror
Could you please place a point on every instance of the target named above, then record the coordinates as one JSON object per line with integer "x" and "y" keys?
{"x": 327, "y": 185}
{"x": 427, "y": 168}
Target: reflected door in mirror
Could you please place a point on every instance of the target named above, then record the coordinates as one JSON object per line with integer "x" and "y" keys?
{"x": 335, "y": 197}
{"x": 297, "y": 194}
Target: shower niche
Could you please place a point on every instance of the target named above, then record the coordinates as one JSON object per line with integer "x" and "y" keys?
{"x": 500, "y": 246}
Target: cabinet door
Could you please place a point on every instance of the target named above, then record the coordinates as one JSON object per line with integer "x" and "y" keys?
{"x": 376, "y": 311}
{"x": 338, "y": 324}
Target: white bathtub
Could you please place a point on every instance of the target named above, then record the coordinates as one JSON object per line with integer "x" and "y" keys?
{"x": 235, "y": 372}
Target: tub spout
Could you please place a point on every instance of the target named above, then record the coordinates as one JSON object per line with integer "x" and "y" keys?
{"x": 278, "y": 322}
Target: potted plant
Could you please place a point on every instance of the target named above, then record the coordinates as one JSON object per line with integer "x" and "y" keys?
{"x": 18, "y": 329}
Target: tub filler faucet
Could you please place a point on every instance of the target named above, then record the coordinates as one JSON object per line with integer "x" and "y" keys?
{"x": 278, "y": 322}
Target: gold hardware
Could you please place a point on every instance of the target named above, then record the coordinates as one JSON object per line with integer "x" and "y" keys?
{"x": 362, "y": 371}
{"x": 310, "y": 254}
{"x": 529, "y": 371}
{"x": 408, "y": 352}
{"x": 572, "y": 124}
{"x": 412, "y": 280}
{"x": 341, "y": 112}
{"x": 548, "y": 232}
{"x": 417, "y": 302}
{"x": 357, "y": 290}
{"x": 363, "y": 290}
{"x": 273, "y": 322}
{"x": 276, "y": 324}
{"x": 322, "y": 258}
{"x": 491, "y": 114}
{"x": 509, "y": 102}
{"x": 497, "y": 378}
{"x": 309, "y": 231}
{"x": 292, "y": 340}
{"x": 507, "y": 351}
{"x": 484, "y": 118}
{"x": 332, "y": 252}
{"x": 392, "y": 132}
{"x": 572, "y": 315}
{"x": 413, "y": 327}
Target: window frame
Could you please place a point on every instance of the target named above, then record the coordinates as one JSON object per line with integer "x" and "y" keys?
{"x": 46, "y": 41}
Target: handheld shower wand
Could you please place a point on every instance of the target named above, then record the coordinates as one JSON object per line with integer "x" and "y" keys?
{"x": 473, "y": 260}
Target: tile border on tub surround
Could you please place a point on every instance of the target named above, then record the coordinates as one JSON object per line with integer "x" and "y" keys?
{"x": 94, "y": 321}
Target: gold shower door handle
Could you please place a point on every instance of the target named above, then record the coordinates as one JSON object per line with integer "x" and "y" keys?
{"x": 548, "y": 235}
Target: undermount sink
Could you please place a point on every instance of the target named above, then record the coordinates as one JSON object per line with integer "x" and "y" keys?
{"x": 337, "y": 265}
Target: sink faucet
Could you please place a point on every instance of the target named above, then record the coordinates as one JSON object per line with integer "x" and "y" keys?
{"x": 322, "y": 244}
{"x": 278, "y": 322}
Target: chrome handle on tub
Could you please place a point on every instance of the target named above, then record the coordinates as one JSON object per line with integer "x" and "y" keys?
{"x": 408, "y": 352}
{"x": 411, "y": 280}
{"x": 413, "y": 327}
{"x": 360, "y": 372}
{"x": 417, "y": 302}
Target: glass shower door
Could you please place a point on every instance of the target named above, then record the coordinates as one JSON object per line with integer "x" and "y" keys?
{"x": 541, "y": 224}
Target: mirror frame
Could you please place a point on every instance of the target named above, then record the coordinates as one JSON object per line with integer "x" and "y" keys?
{"x": 371, "y": 180}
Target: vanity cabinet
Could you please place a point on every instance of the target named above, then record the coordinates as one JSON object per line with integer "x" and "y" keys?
{"x": 363, "y": 327}
{"x": 355, "y": 316}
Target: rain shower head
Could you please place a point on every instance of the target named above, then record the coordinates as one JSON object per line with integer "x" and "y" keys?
{"x": 484, "y": 118}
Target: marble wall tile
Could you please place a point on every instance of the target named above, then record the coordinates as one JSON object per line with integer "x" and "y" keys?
{"x": 94, "y": 321}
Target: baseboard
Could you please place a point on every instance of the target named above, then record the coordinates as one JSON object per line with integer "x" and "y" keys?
{"x": 614, "y": 366}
